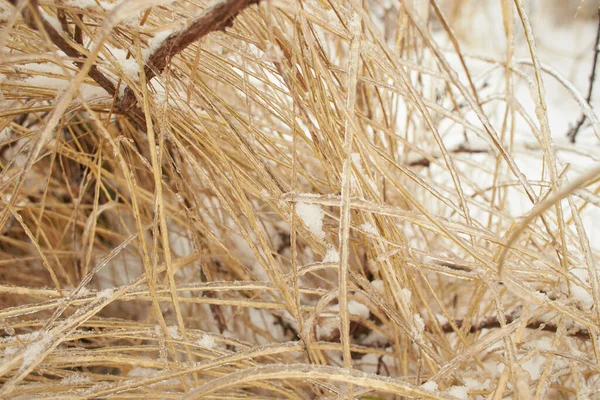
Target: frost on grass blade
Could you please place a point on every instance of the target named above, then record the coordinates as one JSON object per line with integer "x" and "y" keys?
{"x": 35, "y": 350}
{"x": 105, "y": 294}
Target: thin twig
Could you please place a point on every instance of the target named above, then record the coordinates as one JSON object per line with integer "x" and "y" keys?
{"x": 492, "y": 322}
{"x": 424, "y": 162}
{"x": 574, "y": 130}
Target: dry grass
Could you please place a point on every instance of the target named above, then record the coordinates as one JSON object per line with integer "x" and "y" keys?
{"x": 284, "y": 211}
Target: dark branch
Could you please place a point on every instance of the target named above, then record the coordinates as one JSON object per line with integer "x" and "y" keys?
{"x": 492, "y": 322}
{"x": 424, "y": 162}
{"x": 574, "y": 130}
{"x": 216, "y": 17}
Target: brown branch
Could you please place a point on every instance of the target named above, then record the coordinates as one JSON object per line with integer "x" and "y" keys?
{"x": 424, "y": 162}
{"x": 574, "y": 130}
{"x": 78, "y": 35}
{"x": 217, "y": 16}
{"x": 492, "y": 322}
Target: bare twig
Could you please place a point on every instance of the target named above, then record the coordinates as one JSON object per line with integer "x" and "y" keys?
{"x": 492, "y": 322}
{"x": 217, "y": 16}
{"x": 425, "y": 162}
{"x": 575, "y": 129}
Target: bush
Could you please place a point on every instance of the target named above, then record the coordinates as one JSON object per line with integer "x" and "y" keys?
{"x": 281, "y": 199}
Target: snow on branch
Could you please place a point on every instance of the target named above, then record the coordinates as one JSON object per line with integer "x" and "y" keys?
{"x": 216, "y": 17}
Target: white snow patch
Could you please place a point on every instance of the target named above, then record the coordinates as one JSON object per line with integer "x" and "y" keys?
{"x": 89, "y": 92}
{"x": 368, "y": 228}
{"x": 312, "y": 215}
{"x": 324, "y": 332}
{"x": 52, "y": 21}
{"x": 441, "y": 319}
{"x": 356, "y": 308}
{"x": 129, "y": 65}
{"x": 174, "y": 332}
{"x": 419, "y": 324}
{"x": 460, "y": 392}
{"x": 579, "y": 293}
{"x": 155, "y": 43}
{"x": 9, "y": 351}
{"x": 332, "y": 255}
{"x": 476, "y": 385}
{"x": 206, "y": 341}
{"x": 378, "y": 285}
{"x": 534, "y": 366}
{"x": 43, "y": 67}
{"x": 430, "y": 386}
{"x": 91, "y": 4}
{"x": 34, "y": 350}
{"x": 544, "y": 343}
{"x": 273, "y": 52}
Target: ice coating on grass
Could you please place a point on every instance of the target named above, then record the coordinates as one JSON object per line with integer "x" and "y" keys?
{"x": 35, "y": 350}
{"x": 312, "y": 215}
{"x": 105, "y": 294}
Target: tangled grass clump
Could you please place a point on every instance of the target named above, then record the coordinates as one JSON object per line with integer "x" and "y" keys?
{"x": 288, "y": 199}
